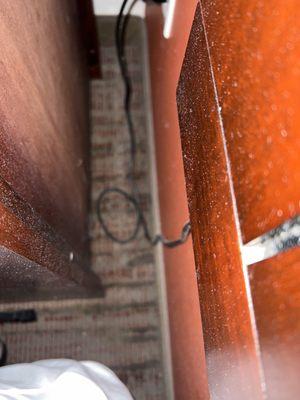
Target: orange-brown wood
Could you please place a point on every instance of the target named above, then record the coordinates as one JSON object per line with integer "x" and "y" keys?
{"x": 43, "y": 146}
{"x": 166, "y": 57}
{"x": 275, "y": 287}
{"x": 229, "y": 331}
{"x": 255, "y": 57}
{"x": 34, "y": 260}
{"x": 44, "y": 112}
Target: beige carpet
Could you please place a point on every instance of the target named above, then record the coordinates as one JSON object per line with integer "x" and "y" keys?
{"x": 123, "y": 329}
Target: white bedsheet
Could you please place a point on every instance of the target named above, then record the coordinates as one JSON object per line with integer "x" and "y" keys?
{"x": 61, "y": 380}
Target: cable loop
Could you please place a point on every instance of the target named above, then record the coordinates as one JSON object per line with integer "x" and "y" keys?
{"x": 141, "y": 223}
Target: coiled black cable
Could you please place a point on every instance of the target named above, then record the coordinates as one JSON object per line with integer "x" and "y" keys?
{"x": 141, "y": 223}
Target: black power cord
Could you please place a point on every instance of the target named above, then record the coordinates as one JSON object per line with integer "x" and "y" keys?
{"x": 22, "y": 316}
{"x": 141, "y": 223}
{"x": 8, "y": 317}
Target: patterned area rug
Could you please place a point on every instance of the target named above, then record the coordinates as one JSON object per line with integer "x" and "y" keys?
{"x": 123, "y": 329}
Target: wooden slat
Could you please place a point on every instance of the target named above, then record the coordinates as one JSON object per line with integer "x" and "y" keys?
{"x": 229, "y": 333}
{"x": 275, "y": 287}
{"x": 255, "y": 55}
{"x": 43, "y": 146}
{"x": 44, "y": 112}
{"x": 34, "y": 260}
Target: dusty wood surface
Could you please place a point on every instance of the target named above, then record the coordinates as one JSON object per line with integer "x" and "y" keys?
{"x": 43, "y": 135}
{"x": 43, "y": 111}
{"x": 246, "y": 55}
{"x": 34, "y": 259}
{"x": 255, "y": 57}
{"x": 275, "y": 288}
{"x": 229, "y": 331}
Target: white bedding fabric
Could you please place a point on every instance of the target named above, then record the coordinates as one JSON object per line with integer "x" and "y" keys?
{"x": 60, "y": 380}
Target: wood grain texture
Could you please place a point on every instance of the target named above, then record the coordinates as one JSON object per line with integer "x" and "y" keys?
{"x": 166, "y": 57}
{"x": 34, "y": 259}
{"x": 275, "y": 289}
{"x": 255, "y": 57}
{"x": 255, "y": 52}
{"x": 44, "y": 144}
{"x": 44, "y": 112}
{"x": 229, "y": 332}
{"x": 22, "y": 280}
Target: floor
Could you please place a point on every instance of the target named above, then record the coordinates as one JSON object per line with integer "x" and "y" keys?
{"x": 123, "y": 330}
